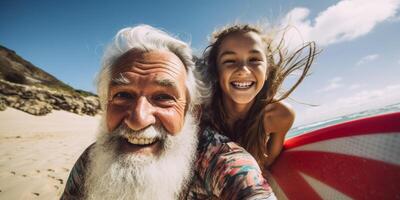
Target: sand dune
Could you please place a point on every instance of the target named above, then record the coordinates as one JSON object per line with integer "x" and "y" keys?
{"x": 37, "y": 153}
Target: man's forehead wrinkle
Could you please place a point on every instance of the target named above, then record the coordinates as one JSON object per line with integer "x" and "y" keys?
{"x": 122, "y": 75}
{"x": 149, "y": 59}
{"x": 164, "y": 69}
{"x": 127, "y": 78}
{"x": 149, "y": 56}
{"x": 165, "y": 63}
{"x": 145, "y": 69}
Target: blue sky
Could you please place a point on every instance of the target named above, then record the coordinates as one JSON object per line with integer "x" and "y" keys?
{"x": 359, "y": 66}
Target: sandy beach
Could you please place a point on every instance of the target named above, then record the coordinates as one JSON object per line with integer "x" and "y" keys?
{"x": 38, "y": 152}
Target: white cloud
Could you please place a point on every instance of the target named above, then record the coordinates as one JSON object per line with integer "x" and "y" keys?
{"x": 332, "y": 85}
{"x": 354, "y": 86}
{"x": 360, "y": 101}
{"x": 367, "y": 59}
{"x": 344, "y": 21}
{"x": 395, "y": 19}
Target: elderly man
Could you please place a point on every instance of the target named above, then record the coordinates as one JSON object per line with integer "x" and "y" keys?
{"x": 149, "y": 145}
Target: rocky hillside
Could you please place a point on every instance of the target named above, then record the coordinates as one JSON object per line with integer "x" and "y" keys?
{"x": 28, "y": 88}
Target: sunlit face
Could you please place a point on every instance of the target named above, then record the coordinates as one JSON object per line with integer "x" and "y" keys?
{"x": 242, "y": 67}
{"x": 147, "y": 90}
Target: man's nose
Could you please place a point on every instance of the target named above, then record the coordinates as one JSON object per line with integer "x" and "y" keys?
{"x": 141, "y": 115}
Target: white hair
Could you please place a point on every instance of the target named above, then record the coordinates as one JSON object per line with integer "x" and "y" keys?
{"x": 113, "y": 175}
{"x": 145, "y": 38}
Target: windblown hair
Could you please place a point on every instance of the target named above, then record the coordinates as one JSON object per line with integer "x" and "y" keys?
{"x": 280, "y": 64}
{"x": 144, "y": 38}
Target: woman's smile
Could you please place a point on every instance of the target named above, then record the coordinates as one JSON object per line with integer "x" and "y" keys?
{"x": 242, "y": 84}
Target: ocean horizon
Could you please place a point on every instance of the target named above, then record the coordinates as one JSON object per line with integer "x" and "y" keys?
{"x": 303, "y": 129}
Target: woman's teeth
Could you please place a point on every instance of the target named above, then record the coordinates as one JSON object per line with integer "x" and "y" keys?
{"x": 242, "y": 85}
{"x": 141, "y": 141}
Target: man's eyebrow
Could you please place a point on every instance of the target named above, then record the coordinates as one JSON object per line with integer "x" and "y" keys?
{"x": 120, "y": 80}
{"x": 166, "y": 83}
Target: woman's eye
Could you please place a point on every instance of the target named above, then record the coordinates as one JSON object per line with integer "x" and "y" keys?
{"x": 255, "y": 60}
{"x": 228, "y": 62}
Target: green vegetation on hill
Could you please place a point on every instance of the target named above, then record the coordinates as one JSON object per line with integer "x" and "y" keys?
{"x": 15, "y": 69}
{"x": 28, "y": 88}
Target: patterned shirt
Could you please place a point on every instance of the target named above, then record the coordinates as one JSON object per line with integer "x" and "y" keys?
{"x": 223, "y": 170}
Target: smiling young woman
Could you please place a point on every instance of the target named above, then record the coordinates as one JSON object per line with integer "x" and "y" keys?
{"x": 245, "y": 68}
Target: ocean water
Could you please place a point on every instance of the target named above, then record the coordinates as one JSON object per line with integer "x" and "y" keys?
{"x": 366, "y": 113}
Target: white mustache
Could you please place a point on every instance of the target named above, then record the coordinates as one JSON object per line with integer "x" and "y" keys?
{"x": 150, "y": 132}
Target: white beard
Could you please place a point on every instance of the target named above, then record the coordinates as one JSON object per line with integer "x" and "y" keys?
{"x": 129, "y": 176}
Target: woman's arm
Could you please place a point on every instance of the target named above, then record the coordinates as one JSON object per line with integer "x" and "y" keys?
{"x": 278, "y": 119}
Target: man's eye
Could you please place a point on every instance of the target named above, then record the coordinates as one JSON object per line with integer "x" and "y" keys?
{"x": 122, "y": 98}
{"x": 123, "y": 95}
{"x": 163, "y": 97}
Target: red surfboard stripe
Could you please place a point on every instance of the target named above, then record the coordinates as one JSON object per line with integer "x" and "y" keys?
{"x": 372, "y": 125}
{"x": 291, "y": 182}
{"x": 357, "y": 177}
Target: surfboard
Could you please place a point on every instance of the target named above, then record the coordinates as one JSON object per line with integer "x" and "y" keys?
{"x": 358, "y": 159}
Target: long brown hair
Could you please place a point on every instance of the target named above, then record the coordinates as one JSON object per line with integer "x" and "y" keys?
{"x": 249, "y": 132}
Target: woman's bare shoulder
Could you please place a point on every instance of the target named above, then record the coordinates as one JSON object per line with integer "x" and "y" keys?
{"x": 278, "y": 117}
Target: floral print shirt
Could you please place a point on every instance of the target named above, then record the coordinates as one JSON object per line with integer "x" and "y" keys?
{"x": 223, "y": 170}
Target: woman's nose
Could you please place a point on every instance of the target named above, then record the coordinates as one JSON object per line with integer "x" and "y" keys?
{"x": 243, "y": 69}
{"x": 141, "y": 115}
